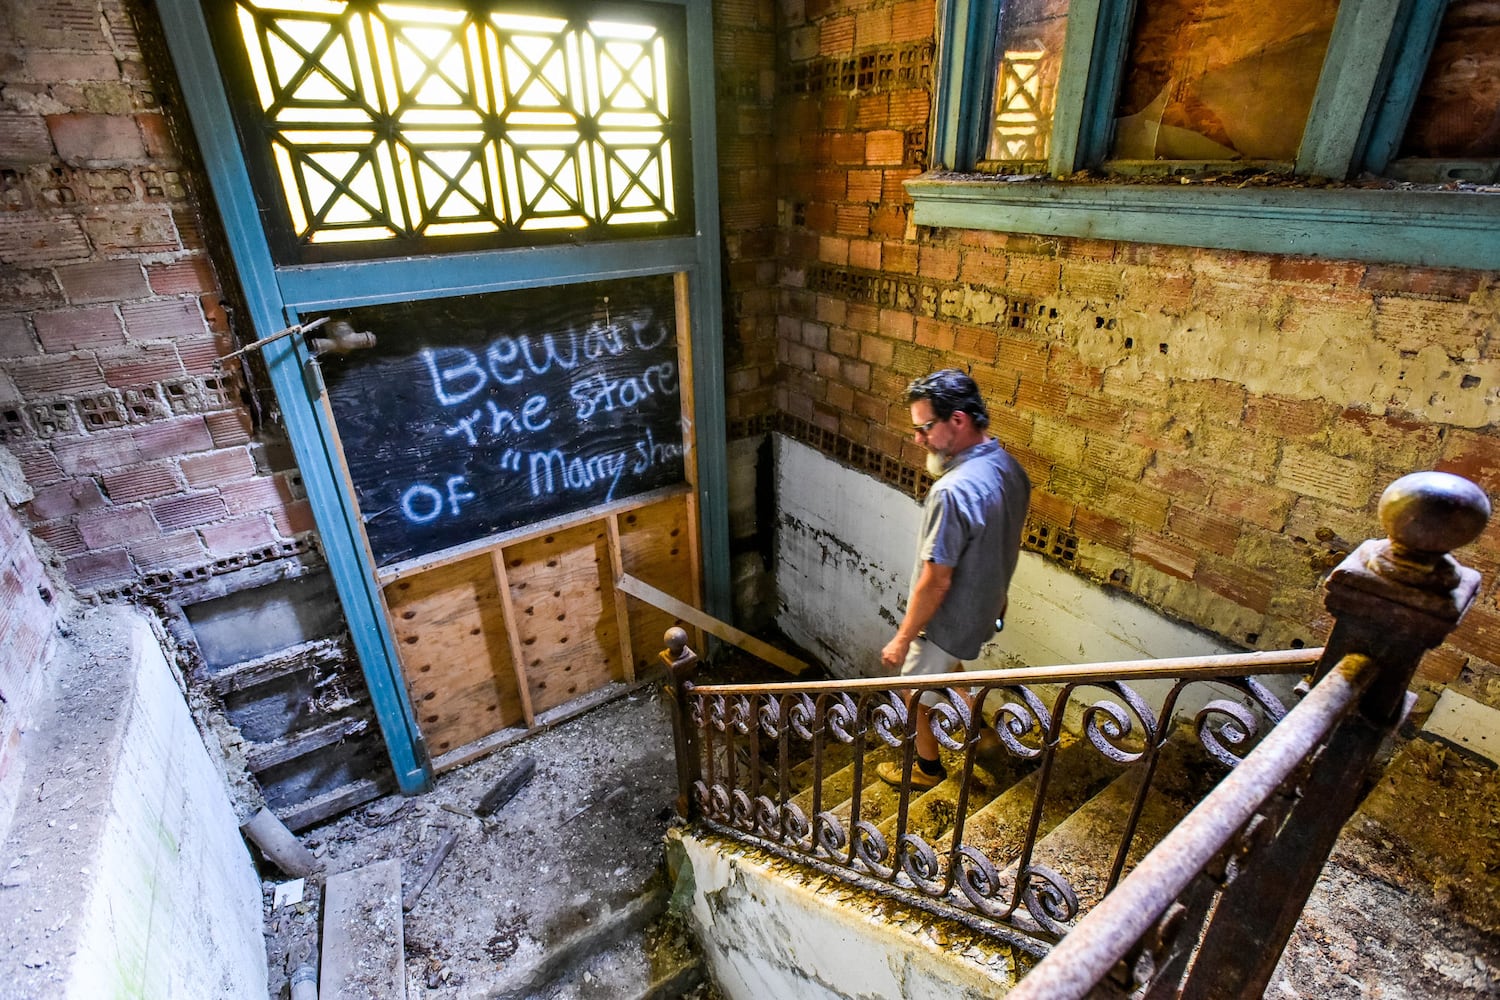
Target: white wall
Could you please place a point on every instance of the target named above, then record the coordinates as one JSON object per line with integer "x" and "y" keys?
{"x": 124, "y": 871}
{"x": 844, "y": 557}
{"x": 810, "y": 937}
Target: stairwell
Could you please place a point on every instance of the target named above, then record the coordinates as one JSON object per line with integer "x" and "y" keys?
{"x": 1086, "y": 822}
{"x": 1398, "y": 913}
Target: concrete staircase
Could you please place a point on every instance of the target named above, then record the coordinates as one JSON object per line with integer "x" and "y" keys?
{"x": 765, "y": 928}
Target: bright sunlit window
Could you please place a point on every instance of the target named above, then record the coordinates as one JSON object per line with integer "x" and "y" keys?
{"x": 398, "y": 121}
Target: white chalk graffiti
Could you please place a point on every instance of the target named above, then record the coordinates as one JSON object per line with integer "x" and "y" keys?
{"x": 458, "y": 375}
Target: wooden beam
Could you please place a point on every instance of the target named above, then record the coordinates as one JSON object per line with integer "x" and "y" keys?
{"x": 622, "y": 614}
{"x": 643, "y": 591}
{"x": 513, "y": 634}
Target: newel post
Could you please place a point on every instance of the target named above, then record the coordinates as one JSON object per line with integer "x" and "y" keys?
{"x": 681, "y": 663}
{"x": 1393, "y": 599}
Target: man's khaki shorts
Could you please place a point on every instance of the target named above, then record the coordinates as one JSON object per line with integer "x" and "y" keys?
{"x": 927, "y": 657}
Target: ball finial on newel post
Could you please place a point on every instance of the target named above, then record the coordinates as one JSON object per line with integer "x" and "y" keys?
{"x": 1426, "y": 515}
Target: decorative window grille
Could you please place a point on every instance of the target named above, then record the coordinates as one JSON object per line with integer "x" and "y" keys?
{"x": 383, "y": 128}
{"x": 1023, "y": 120}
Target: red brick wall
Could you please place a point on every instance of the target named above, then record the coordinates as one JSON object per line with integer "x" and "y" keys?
{"x": 142, "y": 456}
{"x": 1206, "y": 430}
{"x": 1216, "y": 495}
{"x": 745, "y": 90}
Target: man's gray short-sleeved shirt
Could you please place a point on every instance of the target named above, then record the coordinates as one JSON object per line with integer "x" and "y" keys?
{"x": 972, "y": 521}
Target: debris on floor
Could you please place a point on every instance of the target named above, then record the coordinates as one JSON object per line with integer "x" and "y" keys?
{"x": 576, "y": 848}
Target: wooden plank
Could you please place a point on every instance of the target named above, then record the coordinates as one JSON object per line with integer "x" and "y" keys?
{"x": 513, "y": 634}
{"x": 654, "y": 549}
{"x": 622, "y": 613}
{"x": 563, "y": 601}
{"x": 455, "y": 653}
{"x": 481, "y": 546}
{"x": 263, "y": 756}
{"x": 687, "y": 397}
{"x": 544, "y": 721}
{"x": 723, "y": 630}
{"x": 695, "y": 561}
{"x": 363, "y": 939}
{"x": 690, "y": 441}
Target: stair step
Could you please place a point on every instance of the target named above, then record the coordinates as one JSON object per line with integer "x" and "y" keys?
{"x": 1082, "y": 848}
{"x": 616, "y": 932}
{"x": 932, "y": 813}
{"x": 838, "y": 786}
{"x": 657, "y": 962}
{"x": 998, "y": 828}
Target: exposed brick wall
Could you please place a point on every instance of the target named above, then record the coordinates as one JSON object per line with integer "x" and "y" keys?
{"x": 142, "y": 455}
{"x": 745, "y": 89}
{"x": 1208, "y": 431}
{"x": 28, "y": 618}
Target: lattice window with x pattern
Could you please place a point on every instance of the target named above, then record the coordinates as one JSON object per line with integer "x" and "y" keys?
{"x": 389, "y": 121}
{"x": 1022, "y": 124}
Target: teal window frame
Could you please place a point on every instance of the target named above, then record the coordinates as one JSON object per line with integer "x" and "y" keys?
{"x": 1371, "y": 75}
{"x": 279, "y": 295}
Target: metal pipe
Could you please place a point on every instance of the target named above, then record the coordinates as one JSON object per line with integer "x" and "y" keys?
{"x": 305, "y": 982}
{"x": 262, "y": 342}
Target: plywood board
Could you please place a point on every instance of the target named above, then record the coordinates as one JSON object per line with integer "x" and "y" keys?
{"x": 563, "y": 596}
{"x": 451, "y": 637}
{"x": 363, "y": 949}
{"x": 655, "y": 546}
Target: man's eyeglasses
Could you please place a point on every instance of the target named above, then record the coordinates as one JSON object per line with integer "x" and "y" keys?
{"x": 923, "y": 428}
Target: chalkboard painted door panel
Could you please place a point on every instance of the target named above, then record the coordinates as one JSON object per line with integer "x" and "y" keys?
{"x": 482, "y": 413}
{"x": 511, "y": 454}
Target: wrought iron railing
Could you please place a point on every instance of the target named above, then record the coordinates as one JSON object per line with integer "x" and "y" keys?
{"x": 787, "y": 767}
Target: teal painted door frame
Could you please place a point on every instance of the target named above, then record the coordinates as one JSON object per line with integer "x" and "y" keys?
{"x": 277, "y": 295}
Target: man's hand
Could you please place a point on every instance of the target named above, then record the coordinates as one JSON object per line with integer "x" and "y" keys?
{"x": 926, "y": 596}
{"x": 894, "y": 654}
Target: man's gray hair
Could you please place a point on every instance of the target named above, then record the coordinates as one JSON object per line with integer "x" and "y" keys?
{"x": 950, "y": 391}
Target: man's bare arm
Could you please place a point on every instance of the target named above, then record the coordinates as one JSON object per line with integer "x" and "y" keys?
{"x": 926, "y": 597}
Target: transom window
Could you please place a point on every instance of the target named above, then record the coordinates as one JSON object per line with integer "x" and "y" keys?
{"x": 379, "y": 128}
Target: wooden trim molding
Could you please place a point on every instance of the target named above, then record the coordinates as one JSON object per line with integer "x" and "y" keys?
{"x": 1425, "y": 228}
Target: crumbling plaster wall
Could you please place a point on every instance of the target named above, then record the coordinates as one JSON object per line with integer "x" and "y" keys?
{"x": 1207, "y": 431}
{"x": 844, "y": 572}
{"x": 30, "y": 603}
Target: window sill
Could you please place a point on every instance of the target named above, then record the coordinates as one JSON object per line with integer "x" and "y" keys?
{"x": 1432, "y": 228}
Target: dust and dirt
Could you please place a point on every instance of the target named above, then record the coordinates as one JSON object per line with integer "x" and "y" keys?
{"x": 1408, "y": 905}
{"x": 580, "y": 840}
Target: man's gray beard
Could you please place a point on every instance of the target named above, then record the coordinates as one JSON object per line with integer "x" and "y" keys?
{"x": 937, "y": 463}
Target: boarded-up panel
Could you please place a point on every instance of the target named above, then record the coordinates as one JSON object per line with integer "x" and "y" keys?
{"x": 1457, "y": 113}
{"x": 563, "y": 594}
{"x": 655, "y": 547}
{"x": 450, "y": 632}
